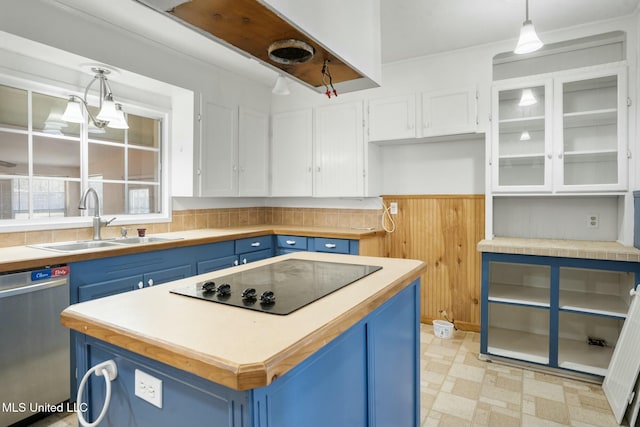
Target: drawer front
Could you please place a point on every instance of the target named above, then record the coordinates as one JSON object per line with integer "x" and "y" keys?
{"x": 255, "y": 256}
{"x": 253, "y": 244}
{"x": 340, "y": 246}
{"x": 292, "y": 242}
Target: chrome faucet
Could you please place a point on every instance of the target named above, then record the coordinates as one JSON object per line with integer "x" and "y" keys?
{"x": 97, "y": 221}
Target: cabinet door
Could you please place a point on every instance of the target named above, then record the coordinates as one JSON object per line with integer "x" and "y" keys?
{"x": 109, "y": 287}
{"x": 167, "y": 275}
{"x": 339, "y": 151}
{"x": 392, "y": 118}
{"x": 449, "y": 112}
{"x": 216, "y": 264}
{"x": 218, "y": 168}
{"x": 521, "y": 149}
{"x": 253, "y": 154}
{"x": 590, "y": 130}
{"x": 292, "y": 154}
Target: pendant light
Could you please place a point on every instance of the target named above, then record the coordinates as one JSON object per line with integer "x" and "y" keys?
{"x": 281, "y": 87}
{"x": 110, "y": 113}
{"x": 528, "y": 41}
{"x": 527, "y": 98}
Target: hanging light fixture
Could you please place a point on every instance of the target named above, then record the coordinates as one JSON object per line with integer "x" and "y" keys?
{"x": 527, "y": 98}
{"x": 528, "y": 41}
{"x": 110, "y": 114}
{"x": 281, "y": 87}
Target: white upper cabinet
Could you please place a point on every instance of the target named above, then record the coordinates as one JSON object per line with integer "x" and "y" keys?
{"x": 217, "y": 166}
{"x": 234, "y": 150}
{"x": 253, "y": 153}
{"x": 449, "y": 112}
{"x": 292, "y": 153}
{"x": 392, "y": 118}
{"x": 339, "y": 150}
{"x": 590, "y": 125}
{"x": 564, "y": 133}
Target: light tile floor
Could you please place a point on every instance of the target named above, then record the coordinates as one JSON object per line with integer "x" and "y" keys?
{"x": 459, "y": 390}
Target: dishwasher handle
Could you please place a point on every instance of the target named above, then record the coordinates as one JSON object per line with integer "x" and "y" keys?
{"x": 33, "y": 288}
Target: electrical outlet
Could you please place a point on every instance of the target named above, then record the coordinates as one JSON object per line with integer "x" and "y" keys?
{"x": 593, "y": 220}
{"x": 393, "y": 208}
{"x": 148, "y": 388}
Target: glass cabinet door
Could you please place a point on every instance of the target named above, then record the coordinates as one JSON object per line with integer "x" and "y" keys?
{"x": 590, "y": 129}
{"x": 520, "y": 150}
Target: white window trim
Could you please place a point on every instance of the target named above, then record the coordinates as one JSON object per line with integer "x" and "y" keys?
{"x": 57, "y": 88}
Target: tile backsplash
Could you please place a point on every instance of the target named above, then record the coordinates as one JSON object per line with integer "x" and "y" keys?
{"x": 211, "y": 218}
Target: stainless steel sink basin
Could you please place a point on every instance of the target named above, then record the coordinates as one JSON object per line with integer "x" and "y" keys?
{"x": 96, "y": 244}
{"x": 76, "y": 246}
{"x": 142, "y": 240}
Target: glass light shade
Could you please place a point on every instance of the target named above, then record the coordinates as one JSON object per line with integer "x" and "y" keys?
{"x": 73, "y": 112}
{"x": 121, "y": 121}
{"x": 281, "y": 87}
{"x": 108, "y": 111}
{"x": 527, "y": 98}
{"x": 528, "y": 41}
{"x": 524, "y": 136}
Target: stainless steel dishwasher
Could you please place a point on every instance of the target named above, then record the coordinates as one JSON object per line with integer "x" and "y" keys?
{"x": 34, "y": 346}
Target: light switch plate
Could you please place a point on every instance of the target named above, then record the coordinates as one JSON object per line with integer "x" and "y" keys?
{"x": 148, "y": 388}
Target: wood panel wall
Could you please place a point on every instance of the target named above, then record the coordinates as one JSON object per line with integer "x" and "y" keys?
{"x": 443, "y": 231}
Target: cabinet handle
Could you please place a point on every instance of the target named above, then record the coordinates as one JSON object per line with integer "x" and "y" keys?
{"x": 244, "y": 260}
{"x": 318, "y": 170}
{"x": 290, "y": 242}
{"x": 330, "y": 245}
{"x": 150, "y": 282}
{"x": 140, "y": 285}
{"x": 255, "y": 244}
{"x": 549, "y": 155}
{"x": 560, "y": 155}
{"x": 235, "y": 262}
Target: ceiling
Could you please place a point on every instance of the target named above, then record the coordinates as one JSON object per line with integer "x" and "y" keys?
{"x": 410, "y": 28}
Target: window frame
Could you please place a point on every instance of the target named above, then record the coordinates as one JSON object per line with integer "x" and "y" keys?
{"x": 59, "y": 89}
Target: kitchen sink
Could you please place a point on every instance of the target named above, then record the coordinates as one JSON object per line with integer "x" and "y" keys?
{"x": 76, "y": 246}
{"x": 142, "y": 240}
{"x": 84, "y": 245}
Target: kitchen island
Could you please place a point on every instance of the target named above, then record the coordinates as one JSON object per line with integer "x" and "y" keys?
{"x": 349, "y": 358}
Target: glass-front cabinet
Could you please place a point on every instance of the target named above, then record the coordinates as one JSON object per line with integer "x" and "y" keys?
{"x": 564, "y": 132}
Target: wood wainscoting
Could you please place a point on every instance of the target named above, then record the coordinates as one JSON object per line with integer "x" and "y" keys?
{"x": 443, "y": 231}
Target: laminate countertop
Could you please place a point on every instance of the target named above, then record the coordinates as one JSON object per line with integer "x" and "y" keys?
{"x": 585, "y": 249}
{"x": 236, "y": 347}
{"x": 25, "y": 257}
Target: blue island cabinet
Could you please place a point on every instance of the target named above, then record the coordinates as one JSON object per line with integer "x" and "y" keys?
{"x": 367, "y": 376}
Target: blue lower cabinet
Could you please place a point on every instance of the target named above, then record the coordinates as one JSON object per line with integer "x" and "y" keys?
{"x": 561, "y": 313}
{"x": 367, "y": 376}
{"x": 339, "y": 246}
{"x": 216, "y": 264}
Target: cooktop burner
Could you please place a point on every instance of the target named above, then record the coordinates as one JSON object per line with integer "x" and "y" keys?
{"x": 278, "y": 288}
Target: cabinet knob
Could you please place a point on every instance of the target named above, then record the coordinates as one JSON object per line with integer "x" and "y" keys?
{"x": 255, "y": 244}
{"x": 244, "y": 260}
{"x": 549, "y": 155}
{"x": 290, "y": 242}
{"x": 560, "y": 155}
{"x": 140, "y": 285}
{"x": 330, "y": 245}
{"x": 150, "y": 282}
{"x": 235, "y": 262}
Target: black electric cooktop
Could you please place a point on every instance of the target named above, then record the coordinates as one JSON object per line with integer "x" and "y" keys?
{"x": 278, "y": 288}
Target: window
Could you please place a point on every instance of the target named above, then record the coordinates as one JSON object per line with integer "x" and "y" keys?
{"x": 45, "y": 162}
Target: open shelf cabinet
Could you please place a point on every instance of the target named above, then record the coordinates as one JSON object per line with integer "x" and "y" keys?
{"x": 564, "y": 314}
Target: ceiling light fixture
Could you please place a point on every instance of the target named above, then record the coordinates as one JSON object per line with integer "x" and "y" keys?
{"x": 528, "y": 41}
{"x": 527, "y": 98}
{"x": 281, "y": 87}
{"x": 110, "y": 114}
